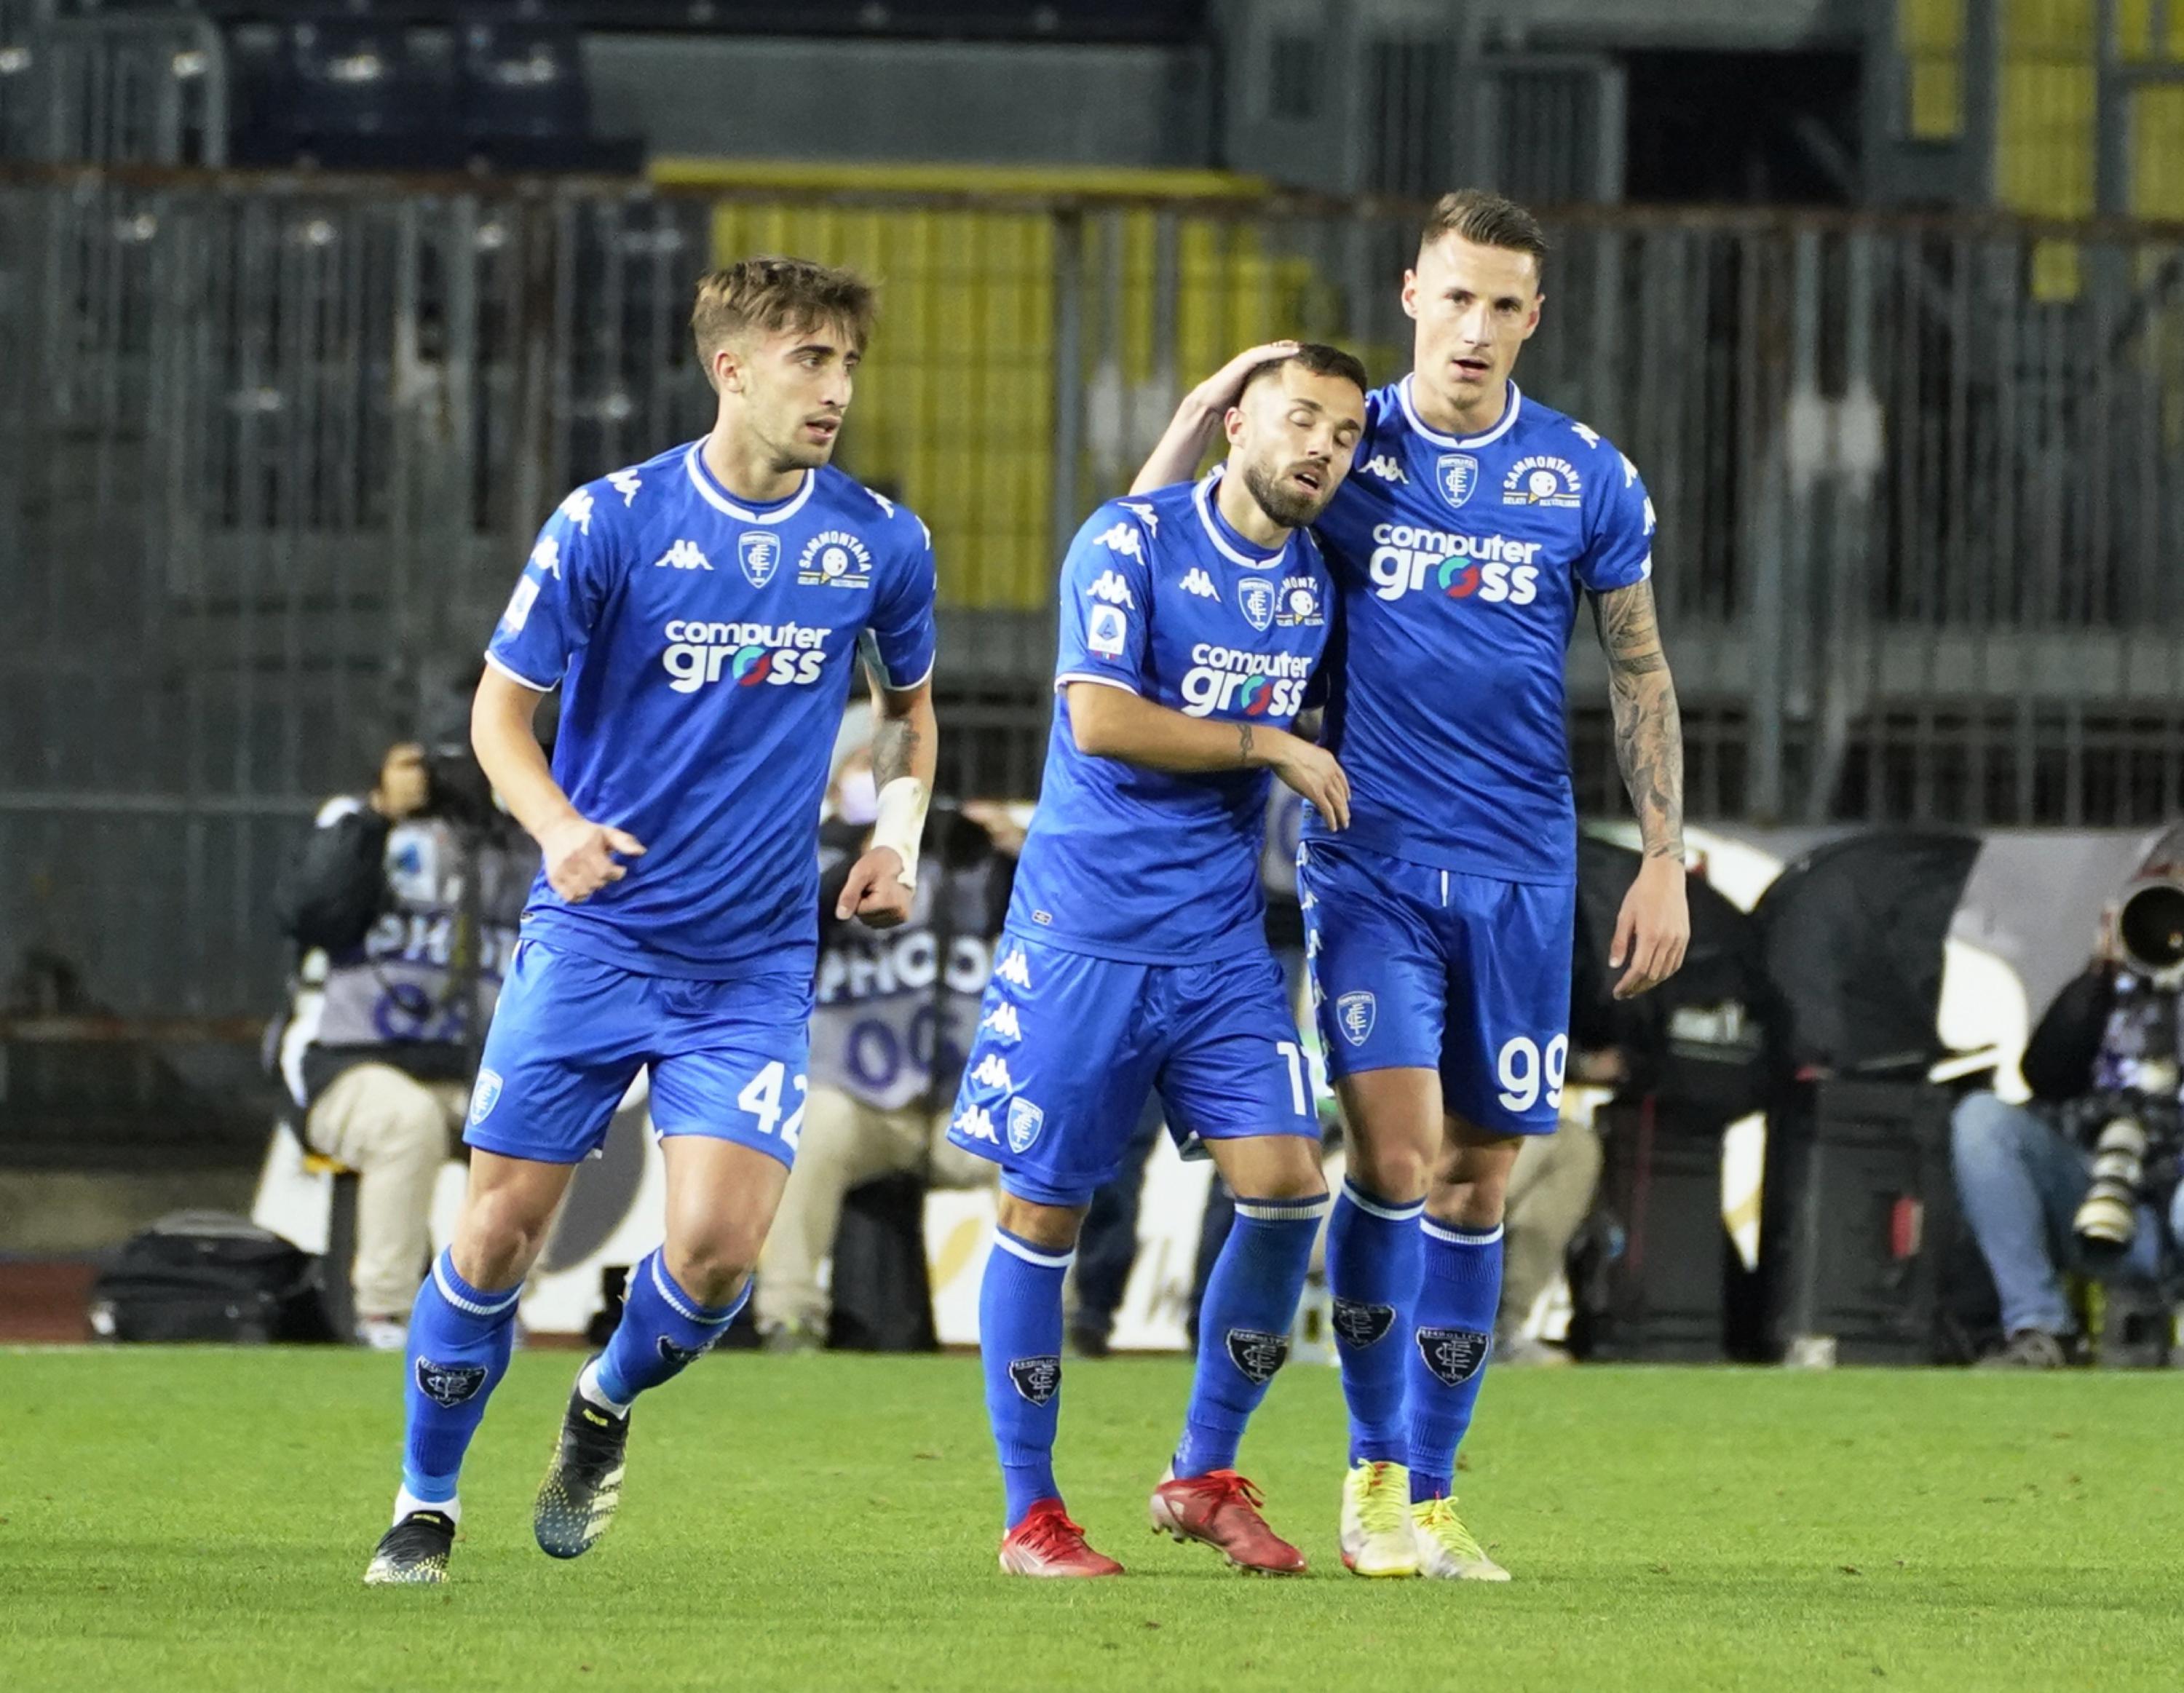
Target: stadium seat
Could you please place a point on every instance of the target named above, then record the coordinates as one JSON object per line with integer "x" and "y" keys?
{"x": 352, "y": 94}
{"x": 520, "y": 91}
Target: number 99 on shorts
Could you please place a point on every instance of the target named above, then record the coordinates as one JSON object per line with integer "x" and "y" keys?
{"x": 1525, "y": 1072}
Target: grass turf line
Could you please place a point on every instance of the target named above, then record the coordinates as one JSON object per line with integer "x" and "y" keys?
{"x": 199, "y": 1518}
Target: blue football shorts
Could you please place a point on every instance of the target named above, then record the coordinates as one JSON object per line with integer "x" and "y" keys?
{"x": 570, "y": 1032}
{"x": 1414, "y": 966}
{"x": 1069, "y": 1045}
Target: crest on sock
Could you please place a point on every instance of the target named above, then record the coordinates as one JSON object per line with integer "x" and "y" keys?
{"x": 1360, "y": 1324}
{"x": 1257, "y": 1354}
{"x": 679, "y": 1355}
{"x": 1038, "y": 1379}
{"x": 1454, "y": 1355}
{"x": 449, "y": 1385}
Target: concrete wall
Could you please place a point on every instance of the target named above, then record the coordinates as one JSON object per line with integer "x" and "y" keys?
{"x": 957, "y": 102}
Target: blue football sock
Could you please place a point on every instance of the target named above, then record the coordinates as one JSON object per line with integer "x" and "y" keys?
{"x": 662, "y": 1328}
{"x": 1373, "y": 1277}
{"x": 1244, "y": 1325}
{"x": 459, "y": 1339}
{"x": 1020, "y": 1345}
{"x": 1458, "y": 1292}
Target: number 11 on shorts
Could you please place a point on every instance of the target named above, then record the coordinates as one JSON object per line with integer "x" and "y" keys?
{"x": 1298, "y": 1095}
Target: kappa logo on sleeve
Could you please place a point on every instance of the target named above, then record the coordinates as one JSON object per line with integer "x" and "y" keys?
{"x": 1120, "y": 537}
{"x": 577, "y": 508}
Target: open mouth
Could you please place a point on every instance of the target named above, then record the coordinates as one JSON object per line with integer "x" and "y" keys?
{"x": 1312, "y": 480}
{"x": 1475, "y": 368}
{"x": 822, "y": 428}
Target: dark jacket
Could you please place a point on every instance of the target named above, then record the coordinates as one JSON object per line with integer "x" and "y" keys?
{"x": 2058, "y": 1060}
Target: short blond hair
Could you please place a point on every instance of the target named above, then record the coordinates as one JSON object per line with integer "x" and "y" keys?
{"x": 770, "y": 295}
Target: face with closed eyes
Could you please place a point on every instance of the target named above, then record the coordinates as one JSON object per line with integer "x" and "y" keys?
{"x": 1291, "y": 434}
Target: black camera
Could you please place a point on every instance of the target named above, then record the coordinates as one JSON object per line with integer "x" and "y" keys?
{"x": 2135, "y": 1104}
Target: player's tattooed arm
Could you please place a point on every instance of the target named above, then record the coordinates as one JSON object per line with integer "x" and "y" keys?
{"x": 1649, "y": 739}
{"x": 1653, "y": 927}
{"x": 1198, "y": 419}
{"x": 1113, "y": 722}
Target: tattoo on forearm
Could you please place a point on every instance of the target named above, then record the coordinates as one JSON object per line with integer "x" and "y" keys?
{"x": 1243, "y": 744}
{"x": 1649, "y": 740}
{"x": 894, "y": 750}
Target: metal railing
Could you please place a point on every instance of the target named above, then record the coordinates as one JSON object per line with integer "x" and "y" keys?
{"x": 273, "y": 448}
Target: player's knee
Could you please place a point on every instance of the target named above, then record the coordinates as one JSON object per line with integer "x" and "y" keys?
{"x": 1396, "y": 1172}
{"x": 499, "y": 1238}
{"x": 712, "y": 1269}
{"x": 1049, "y": 1227}
{"x": 1471, "y": 1184}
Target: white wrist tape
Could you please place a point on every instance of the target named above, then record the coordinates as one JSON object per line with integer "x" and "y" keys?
{"x": 901, "y": 822}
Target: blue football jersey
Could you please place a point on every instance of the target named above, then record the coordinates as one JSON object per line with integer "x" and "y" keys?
{"x": 705, "y": 649}
{"x": 1459, "y": 563}
{"x": 1161, "y": 598}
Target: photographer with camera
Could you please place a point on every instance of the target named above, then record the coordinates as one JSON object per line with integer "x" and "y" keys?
{"x": 2084, "y": 1178}
{"x": 403, "y": 902}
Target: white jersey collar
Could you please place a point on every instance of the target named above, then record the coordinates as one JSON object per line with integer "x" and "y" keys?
{"x": 702, "y": 479}
{"x": 1202, "y": 497}
{"x": 1507, "y": 423}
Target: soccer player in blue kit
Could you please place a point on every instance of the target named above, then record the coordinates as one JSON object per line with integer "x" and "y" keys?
{"x": 1135, "y": 953}
{"x": 1438, "y": 923}
{"x": 703, "y": 613}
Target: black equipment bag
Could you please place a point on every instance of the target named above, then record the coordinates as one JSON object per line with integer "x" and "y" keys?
{"x": 882, "y": 1302}
{"x": 1867, "y": 1257}
{"x": 1648, "y": 1270}
{"x": 201, "y": 1275}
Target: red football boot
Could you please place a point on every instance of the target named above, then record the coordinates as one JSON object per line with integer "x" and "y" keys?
{"x": 1047, "y": 1542}
{"x": 1220, "y": 1509}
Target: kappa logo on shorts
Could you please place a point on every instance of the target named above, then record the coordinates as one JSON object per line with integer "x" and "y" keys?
{"x": 1257, "y": 1354}
{"x": 1353, "y": 1015}
{"x": 485, "y": 1095}
{"x": 449, "y": 1385}
{"x": 1038, "y": 1379}
{"x": 1025, "y": 1122}
{"x": 1361, "y": 1325}
{"x": 1454, "y": 1355}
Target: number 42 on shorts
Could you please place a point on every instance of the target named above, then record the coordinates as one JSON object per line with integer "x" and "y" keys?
{"x": 761, "y": 1098}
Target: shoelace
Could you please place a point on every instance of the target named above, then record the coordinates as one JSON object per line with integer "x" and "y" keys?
{"x": 1385, "y": 1508}
{"x": 1440, "y": 1521}
{"x": 1053, "y": 1532}
{"x": 1225, "y": 1485}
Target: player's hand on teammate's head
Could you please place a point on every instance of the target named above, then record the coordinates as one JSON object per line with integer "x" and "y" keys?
{"x": 876, "y": 892}
{"x": 1653, "y": 927}
{"x": 581, "y": 857}
{"x": 1225, "y": 386}
{"x": 1311, "y": 772}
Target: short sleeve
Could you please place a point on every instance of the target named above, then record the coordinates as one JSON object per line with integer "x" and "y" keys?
{"x": 1618, "y": 549}
{"x": 1105, "y": 590}
{"x": 899, "y": 641}
{"x": 558, "y": 598}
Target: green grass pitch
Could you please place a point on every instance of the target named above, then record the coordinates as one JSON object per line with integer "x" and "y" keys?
{"x": 199, "y": 1518}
